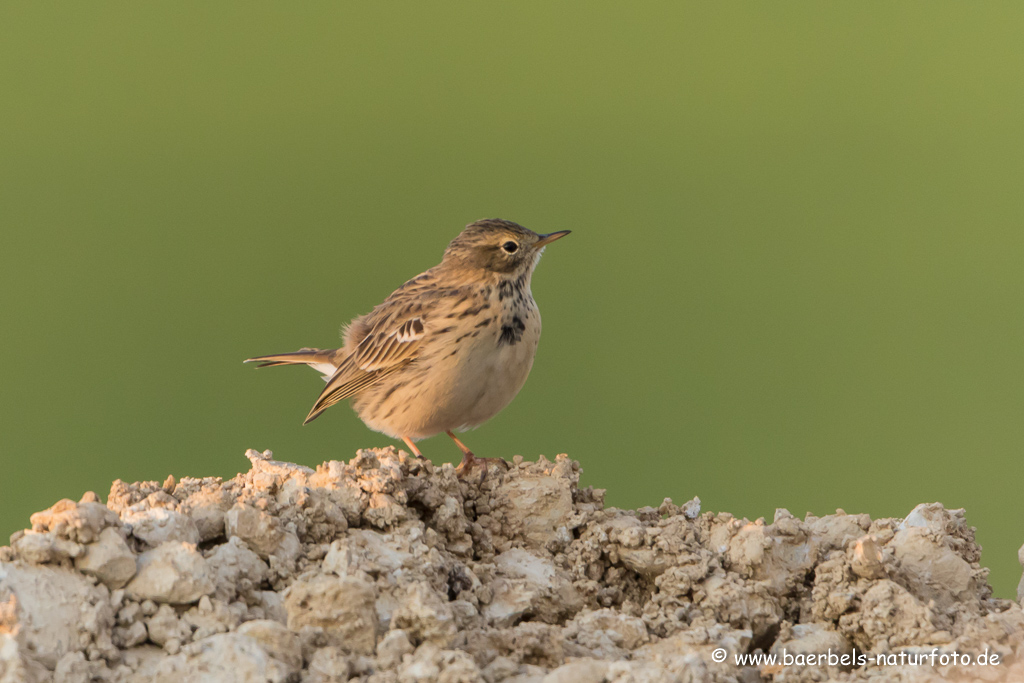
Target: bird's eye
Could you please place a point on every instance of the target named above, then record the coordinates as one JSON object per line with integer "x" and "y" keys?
{"x": 510, "y": 247}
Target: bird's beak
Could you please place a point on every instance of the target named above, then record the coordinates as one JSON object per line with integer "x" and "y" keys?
{"x": 550, "y": 237}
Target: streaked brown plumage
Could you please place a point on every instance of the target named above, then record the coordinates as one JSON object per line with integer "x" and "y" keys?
{"x": 447, "y": 350}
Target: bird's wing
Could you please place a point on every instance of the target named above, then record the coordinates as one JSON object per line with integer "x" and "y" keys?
{"x": 391, "y": 343}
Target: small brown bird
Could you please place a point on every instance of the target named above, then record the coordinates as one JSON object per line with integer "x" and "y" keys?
{"x": 448, "y": 350}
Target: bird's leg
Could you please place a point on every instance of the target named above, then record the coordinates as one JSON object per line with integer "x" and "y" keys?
{"x": 470, "y": 461}
{"x": 467, "y": 455}
{"x": 412, "y": 447}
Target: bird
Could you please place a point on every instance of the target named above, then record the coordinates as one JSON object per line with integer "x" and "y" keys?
{"x": 446, "y": 351}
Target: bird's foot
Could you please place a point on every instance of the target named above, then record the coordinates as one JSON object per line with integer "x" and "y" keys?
{"x": 470, "y": 463}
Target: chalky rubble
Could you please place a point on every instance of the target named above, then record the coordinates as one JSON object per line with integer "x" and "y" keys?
{"x": 388, "y": 569}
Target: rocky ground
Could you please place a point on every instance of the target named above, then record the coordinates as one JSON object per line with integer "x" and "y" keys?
{"x": 389, "y": 569}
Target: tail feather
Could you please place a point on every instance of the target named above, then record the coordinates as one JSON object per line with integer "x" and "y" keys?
{"x": 312, "y": 357}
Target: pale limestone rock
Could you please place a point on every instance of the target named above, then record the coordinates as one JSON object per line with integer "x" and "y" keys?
{"x": 342, "y": 606}
{"x": 688, "y": 655}
{"x": 165, "y": 626}
{"x": 363, "y": 550}
{"x": 889, "y": 617}
{"x": 607, "y": 633}
{"x": 129, "y": 636}
{"x": 16, "y": 665}
{"x": 223, "y": 658}
{"x": 804, "y": 640}
{"x": 931, "y": 569}
{"x": 727, "y": 599}
{"x": 264, "y": 534}
{"x": 52, "y": 611}
{"x": 173, "y": 572}
{"x": 268, "y": 474}
{"x": 528, "y": 584}
{"x": 385, "y": 511}
{"x": 109, "y": 559}
{"x": 235, "y": 569}
{"x": 78, "y": 522}
{"x": 75, "y": 668}
{"x": 44, "y": 548}
{"x": 836, "y": 532}
{"x": 430, "y": 664}
{"x": 157, "y": 525}
{"x": 209, "y": 617}
{"x": 272, "y": 604}
{"x": 392, "y": 648}
{"x": 539, "y": 505}
{"x": 142, "y": 661}
{"x": 328, "y": 665}
{"x": 425, "y": 616}
{"x": 932, "y": 516}
{"x": 867, "y": 558}
{"x": 276, "y": 640}
{"x": 207, "y": 509}
{"x": 660, "y": 588}
{"x": 342, "y": 490}
{"x": 947, "y": 526}
{"x": 579, "y": 671}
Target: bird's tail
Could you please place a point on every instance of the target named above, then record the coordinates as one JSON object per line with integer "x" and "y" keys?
{"x": 321, "y": 360}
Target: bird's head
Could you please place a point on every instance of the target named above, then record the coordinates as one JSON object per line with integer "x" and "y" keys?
{"x": 498, "y": 246}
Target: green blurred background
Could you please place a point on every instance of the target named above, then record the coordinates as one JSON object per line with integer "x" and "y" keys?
{"x": 795, "y": 276}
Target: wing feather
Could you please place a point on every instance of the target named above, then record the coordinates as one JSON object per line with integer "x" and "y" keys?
{"x": 391, "y": 345}
{"x": 388, "y": 338}
{"x": 381, "y": 349}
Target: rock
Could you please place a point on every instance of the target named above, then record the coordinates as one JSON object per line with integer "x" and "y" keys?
{"x": 607, "y": 633}
{"x": 207, "y": 508}
{"x": 931, "y": 569}
{"x": 16, "y": 666}
{"x": 527, "y": 584}
{"x": 328, "y": 665}
{"x": 51, "y": 612}
{"x": 155, "y": 526}
{"x": 45, "y": 548}
{"x": 165, "y": 626}
{"x": 811, "y": 640}
{"x": 224, "y": 658}
{"x": 342, "y": 606}
{"x": 77, "y": 522}
{"x": 264, "y": 534}
{"x": 75, "y": 668}
{"x": 521, "y": 577}
{"x": 341, "y": 489}
{"x": 867, "y": 558}
{"x": 173, "y": 572}
{"x": 272, "y": 605}
{"x": 109, "y": 559}
{"x": 743, "y": 605}
{"x": 276, "y": 640}
{"x": 211, "y": 616}
{"x": 130, "y": 636}
{"x": 580, "y": 671}
{"x": 931, "y": 516}
{"x": 235, "y": 569}
{"x": 889, "y": 617}
{"x": 142, "y": 661}
{"x": 366, "y": 551}
{"x": 538, "y": 505}
{"x": 392, "y": 648}
{"x": 425, "y": 616}
{"x": 430, "y": 663}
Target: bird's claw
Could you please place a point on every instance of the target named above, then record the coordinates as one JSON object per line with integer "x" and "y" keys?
{"x": 471, "y": 462}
